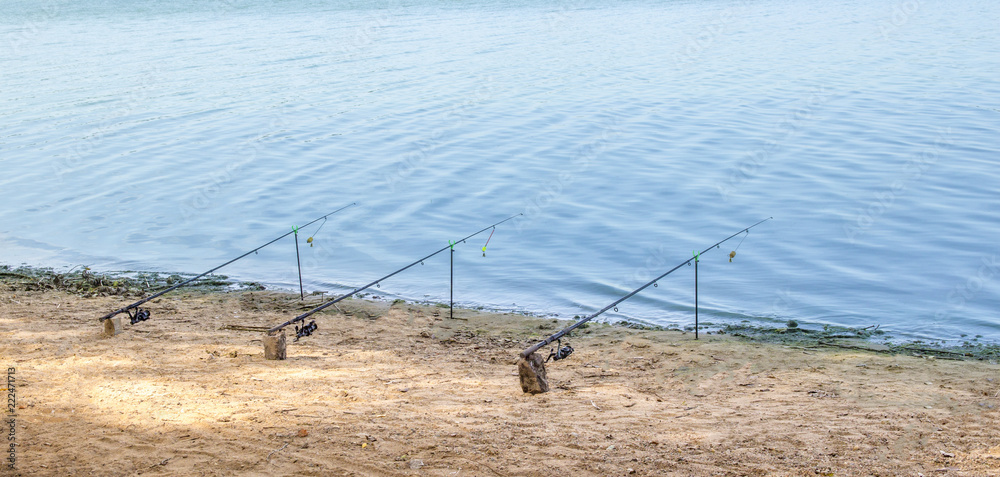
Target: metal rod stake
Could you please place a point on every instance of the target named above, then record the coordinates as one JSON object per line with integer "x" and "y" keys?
{"x": 452, "y": 313}
{"x": 298, "y": 261}
{"x": 696, "y": 297}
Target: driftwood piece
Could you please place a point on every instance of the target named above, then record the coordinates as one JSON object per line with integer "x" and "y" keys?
{"x": 532, "y": 373}
{"x": 274, "y": 346}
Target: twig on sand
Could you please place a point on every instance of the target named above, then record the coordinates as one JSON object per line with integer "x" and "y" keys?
{"x": 930, "y": 350}
{"x": 162, "y": 463}
{"x": 847, "y": 346}
{"x": 276, "y": 450}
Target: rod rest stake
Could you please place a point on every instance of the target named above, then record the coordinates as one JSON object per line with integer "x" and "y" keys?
{"x": 274, "y": 346}
{"x": 112, "y": 326}
{"x": 531, "y": 370}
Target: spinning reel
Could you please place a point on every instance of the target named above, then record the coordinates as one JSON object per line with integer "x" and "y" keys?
{"x": 563, "y": 353}
{"x": 305, "y": 330}
{"x": 138, "y": 315}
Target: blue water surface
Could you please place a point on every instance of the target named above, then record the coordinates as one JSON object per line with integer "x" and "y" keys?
{"x": 628, "y": 133}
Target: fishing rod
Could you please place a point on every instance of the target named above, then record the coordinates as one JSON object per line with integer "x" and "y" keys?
{"x": 143, "y": 315}
{"x": 557, "y": 336}
{"x": 306, "y": 330}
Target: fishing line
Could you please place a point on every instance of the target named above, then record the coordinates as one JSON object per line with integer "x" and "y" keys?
{"x": 488, "y": 241}
{"x": 310, "y": 239}
{"x": 614, "y": 305}
{"x": 254, "y": 251}
{"x": 733, "y": 253}
{"x": 450, "y": 246}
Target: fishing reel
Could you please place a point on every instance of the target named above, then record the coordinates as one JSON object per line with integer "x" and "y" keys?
{"x": 305, "y": 330}
{"x": 138, "y": 315}
{"x": 563, "y": 353}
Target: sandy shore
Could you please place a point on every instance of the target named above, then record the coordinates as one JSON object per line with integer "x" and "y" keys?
{"x": 400, "y": 389}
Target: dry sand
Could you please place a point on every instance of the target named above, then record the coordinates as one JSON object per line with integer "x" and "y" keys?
{"x": 404, "y": 390}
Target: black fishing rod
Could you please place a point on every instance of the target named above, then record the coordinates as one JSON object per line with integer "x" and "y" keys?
{"x": 550, "y": 339}
{"x": 308, "y": 329}
{"x": 142, "y": 315}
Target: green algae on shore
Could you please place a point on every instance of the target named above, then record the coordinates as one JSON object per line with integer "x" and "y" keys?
{"x": 862, "y": 339}
{"x": 88, "y": 284}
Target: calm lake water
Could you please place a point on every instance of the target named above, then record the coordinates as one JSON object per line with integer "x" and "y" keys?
{"x": 628, "y": 133}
